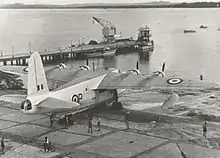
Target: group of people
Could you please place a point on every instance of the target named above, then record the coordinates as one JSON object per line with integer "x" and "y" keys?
{"x": 90, "y": 130}
{"x": 66, "y": 120}
{"x": 47, "y": 143}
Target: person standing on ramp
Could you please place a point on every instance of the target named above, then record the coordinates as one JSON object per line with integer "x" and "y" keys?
{"x": 205, "y": 129}
{"x": 99, "y": 124}
{"x": 3, "y": 144}
{"x": 90, "y": 126}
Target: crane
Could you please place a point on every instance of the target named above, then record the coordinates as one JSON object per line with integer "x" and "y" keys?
{"x": 108, "y": 31}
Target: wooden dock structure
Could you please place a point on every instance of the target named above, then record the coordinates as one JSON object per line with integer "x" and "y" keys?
{"x": 66, "y": 54}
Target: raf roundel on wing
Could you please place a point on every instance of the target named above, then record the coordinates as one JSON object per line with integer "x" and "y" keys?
{"x": 174, "y": 81}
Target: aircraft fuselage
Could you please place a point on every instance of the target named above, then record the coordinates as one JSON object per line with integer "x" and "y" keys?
{"x": 84, "y": 94}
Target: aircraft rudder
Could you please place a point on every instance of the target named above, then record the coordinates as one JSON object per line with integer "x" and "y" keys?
{"x": 37, "y": 82}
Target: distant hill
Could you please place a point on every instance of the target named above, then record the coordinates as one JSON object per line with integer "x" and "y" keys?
{"x": 157, "y": 4}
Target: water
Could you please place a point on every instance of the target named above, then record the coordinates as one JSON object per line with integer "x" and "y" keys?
{"x": 187, "y": 55}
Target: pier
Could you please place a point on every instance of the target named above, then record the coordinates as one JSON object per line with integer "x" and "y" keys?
{"x": 67, "y": 54}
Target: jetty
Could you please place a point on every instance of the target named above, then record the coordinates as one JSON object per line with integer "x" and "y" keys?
{"x": 112, "y": 41}
{"x": 83, "y": 51}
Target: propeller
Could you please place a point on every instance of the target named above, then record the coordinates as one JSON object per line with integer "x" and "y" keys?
{"x": 84, "y": 67}
{"x": 137, "y": 65}
{"x": 163, "y": 67}
{"x": 162, "y": 71}
{"x": 62, "y": 66}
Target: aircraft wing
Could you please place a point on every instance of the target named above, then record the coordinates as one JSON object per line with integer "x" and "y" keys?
{"x": 58, "y": 77}
{"x": 132, "y": 81}
{"x": 13, "y": 98}
{"x": 55, "y": 76}
{"x": 53, "y": 105}
{"x": 16, "y": 70}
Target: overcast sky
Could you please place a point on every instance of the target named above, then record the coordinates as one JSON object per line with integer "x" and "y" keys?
{"x": 85, "y": 1}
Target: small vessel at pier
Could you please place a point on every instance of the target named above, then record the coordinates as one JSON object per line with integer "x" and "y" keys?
{"x": 109, "y": 52}
{"x": 144, "y": 42}
{"x": 189, "y": 31}
{"x": 106, "y": 52}
{"x": 203, "y": 27}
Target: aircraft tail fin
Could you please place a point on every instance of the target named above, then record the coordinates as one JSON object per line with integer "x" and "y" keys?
{"x": 37, "y": 82}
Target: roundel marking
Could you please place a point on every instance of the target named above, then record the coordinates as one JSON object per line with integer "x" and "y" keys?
{"x": 25, "y": 69}
{"x": 75, "y": 98}
{"x": 174, "y": 80}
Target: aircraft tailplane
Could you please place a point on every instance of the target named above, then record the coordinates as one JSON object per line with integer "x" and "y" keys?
{"x": 37, "y": 82}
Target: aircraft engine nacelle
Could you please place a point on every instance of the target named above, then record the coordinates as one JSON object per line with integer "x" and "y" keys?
{"x": 84, "y": 67}
{"x": 134, "y": 71}
{"x": 27, "y": 107}
{"x": 171, "y": 101}
{"x": 3, "y": 84}
{"x": 114, "y": 70}
{"x": 159, "y": 73}
{"x": 62, "y": 66}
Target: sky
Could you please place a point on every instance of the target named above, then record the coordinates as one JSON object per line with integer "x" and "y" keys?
{"x": 85, "y": 1}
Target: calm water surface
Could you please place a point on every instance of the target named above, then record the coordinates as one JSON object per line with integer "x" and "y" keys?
{"x": 187, "y": 55}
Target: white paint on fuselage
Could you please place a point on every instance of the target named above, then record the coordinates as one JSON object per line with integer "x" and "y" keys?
{"x": 85, "y": 88}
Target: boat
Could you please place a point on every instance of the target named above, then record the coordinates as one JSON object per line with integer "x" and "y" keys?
{"x": 108, "y": 52}
{"x": 91, "y": 55}
{"x": 146, "y": 47}
{"x": 203, "y": 27}
{"x": 144, "y": 43}
{"x": 189, "y": 31}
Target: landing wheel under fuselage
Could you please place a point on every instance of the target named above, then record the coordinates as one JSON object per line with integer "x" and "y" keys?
{"x": 117, "y": 105}
{"x": 70, "y": 118}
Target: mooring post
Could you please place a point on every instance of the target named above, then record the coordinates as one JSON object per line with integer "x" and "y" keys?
{"x": 71, "y": 49}
{"x": 137, "y": 65}
{"x": 24, "y": 62}
{"x": 93, "y": 67}
{"x": 87, "y": 61}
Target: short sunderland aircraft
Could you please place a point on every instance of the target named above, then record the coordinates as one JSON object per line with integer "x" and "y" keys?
{"x": 92, "y": 89}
